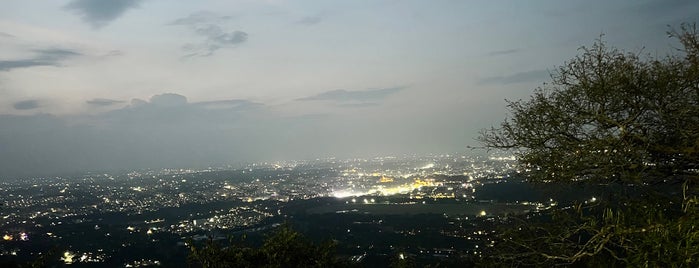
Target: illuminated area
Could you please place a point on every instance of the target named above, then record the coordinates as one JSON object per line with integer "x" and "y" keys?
{"x": 346, "y": 193}
{"x": 428, "y": 166}
{"x": 385, "y": 179}
{"x": 68, "y": 257}
{"x": 23, "y": 237}
{"x": 388, "y": 186}
{"x": 150, "y": 207}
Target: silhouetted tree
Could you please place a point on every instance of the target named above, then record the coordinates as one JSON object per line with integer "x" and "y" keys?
{"x": 284, "y": 248}
{"x": 610, "y": 116}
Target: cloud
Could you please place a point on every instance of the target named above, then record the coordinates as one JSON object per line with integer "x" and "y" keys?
{"x": 138, "y": 102}
{"x": 201, "y": 17}
{"x": 6, "y": 35}
{"x": 210, "y": 27}
{"x": 43, "y": 57}
{"x": 215, "y": 39}
{"x": 504, "y": 52}
{"x": 236, "y": 104}
{"x": 358, "y": 105}
{"x": 56, "y": 54}
{"x": 6, "y": 65}
{"x": 310, "y": 20}
{"x": 99, "y": 13}
{"x": 342, "y": 95}
{"x": 168, "y": 100}
{"x": 165, "y": 131}
{"x": 103, "y": 102}
{"x": 528, "y": 76}
{"x": 170, "y": 107}
{"x": 26, "y": 105}
{"x": 217, "y": 36}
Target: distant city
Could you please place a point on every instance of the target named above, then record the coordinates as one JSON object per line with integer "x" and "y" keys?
{"x": 375, "y": 208}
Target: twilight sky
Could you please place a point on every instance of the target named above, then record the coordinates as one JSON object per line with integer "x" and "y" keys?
{"x": 110, "y": 85}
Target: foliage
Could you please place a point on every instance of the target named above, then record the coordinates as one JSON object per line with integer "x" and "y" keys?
{"x": 284, "y": 248}
{"x": 45, "y": 259}
{"x": 609, "y": 117}
{"x": 648, "y": 232}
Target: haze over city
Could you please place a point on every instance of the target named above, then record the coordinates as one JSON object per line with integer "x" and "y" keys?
{"x": 113, "y": 85}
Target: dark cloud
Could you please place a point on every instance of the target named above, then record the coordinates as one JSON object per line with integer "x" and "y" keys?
{"x": 528, "y": 76}
{"x": 168, "y": 132}
{"x": 56, "y": 54}
{"x": 99, "y": 13}
{"x": 210, "y": 27}
{"x": 43, "y": 57}
{"x": 26, "y": 105}
{"x": 503, "y": 52}
{"x": 217, "y": 36}
{"x": 163, "y": 132}
{"x": 310, "y": 20}
{"x": 27, "y": 141}
{"x": 138, "y": 102}
{"x": 6, "y": 65}
{"x": 6, "y": 35}
{"x": 215, "y": 39}
{"x": 103, "y": 102}
{"x": 169, "y": 107}
{"x": 342, "y": 95}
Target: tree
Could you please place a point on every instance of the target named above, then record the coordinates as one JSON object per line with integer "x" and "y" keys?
{"x": 284, "y": 248}
{"x": 608, "y": 116}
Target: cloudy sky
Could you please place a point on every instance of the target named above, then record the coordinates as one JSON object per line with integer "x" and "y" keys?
{"x": 110, "y": 85}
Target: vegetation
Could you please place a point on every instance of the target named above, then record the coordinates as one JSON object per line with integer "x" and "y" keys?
{"x": 284, "y": 248}
{"x": 46, "y": 259}
{"x": 610, "y": 117}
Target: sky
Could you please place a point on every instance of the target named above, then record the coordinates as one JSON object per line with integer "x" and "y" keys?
{"x": 100, "y": 85}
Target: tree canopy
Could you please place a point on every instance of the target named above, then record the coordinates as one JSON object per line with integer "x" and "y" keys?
{"x": 283, "y": 248}
{"x": 610, "y": 115}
